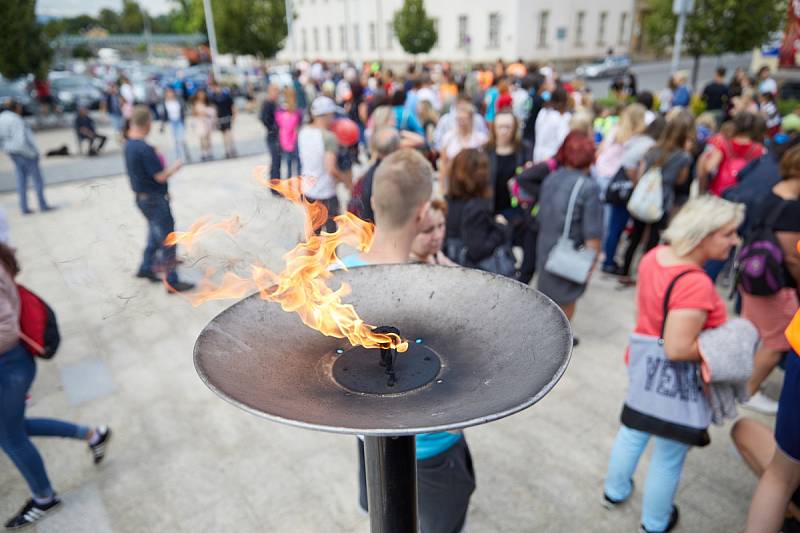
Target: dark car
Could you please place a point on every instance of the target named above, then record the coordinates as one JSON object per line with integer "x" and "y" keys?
{"x": 72, "y": 91}
{"x": 15, "y": 90}
{"x": 790, "y": 90}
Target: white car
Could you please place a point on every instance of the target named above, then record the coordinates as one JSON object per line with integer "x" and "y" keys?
{"x": 606, "y": 67}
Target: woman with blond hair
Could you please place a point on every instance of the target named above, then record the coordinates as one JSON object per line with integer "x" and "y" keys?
{"x": 676, "y": 301}
{"x": 462, "y": 137}
{"x": 609, "y": 153}
{"x": 670, "y": 156}
{"x": 622, "y": 153}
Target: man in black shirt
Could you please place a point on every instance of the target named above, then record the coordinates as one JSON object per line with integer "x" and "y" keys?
{"x": 715, "y": 94}
{"x": 226, "y": 112}
{"x": 267, "y": 117}
{"x": 84, "y": 128}
{"x": 148, "y": 179}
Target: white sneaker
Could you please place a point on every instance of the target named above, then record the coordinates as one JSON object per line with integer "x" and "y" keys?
{"x": 759, "y": 402}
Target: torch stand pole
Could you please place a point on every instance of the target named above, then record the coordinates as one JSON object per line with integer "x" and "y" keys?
{"x": 391, "y": 465}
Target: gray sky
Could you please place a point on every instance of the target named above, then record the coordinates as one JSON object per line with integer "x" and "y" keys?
{"x": 70, "y": 8}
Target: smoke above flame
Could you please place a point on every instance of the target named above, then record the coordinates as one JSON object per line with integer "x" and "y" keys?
{"x": 301, "y": 287}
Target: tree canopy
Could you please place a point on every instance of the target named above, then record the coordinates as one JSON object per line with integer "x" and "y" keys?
{"x": 23, "y": 47}
{"x": 243, "y": 26}
{"x": 715, "y": 26}
{"x": 413, "y": 28}
{"x": 255, "y": 27}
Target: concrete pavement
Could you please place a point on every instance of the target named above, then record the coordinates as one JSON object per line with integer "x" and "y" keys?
{"x": 248, "y": 133}
{"x": 182, "y": 460}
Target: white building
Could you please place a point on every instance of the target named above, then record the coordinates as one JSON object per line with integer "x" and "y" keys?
{"x": 473, "y": 30}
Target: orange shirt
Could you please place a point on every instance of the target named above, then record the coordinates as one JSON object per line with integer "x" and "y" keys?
{"x": 692, "y": 291}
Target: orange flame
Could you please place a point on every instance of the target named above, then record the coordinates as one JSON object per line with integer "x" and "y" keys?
{"x": 301, "y": 287}
{"x": 201, "y": 226}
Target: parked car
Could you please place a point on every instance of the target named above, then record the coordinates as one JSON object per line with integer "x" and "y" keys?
{"x": 72, "y": 91}
{"x": 604, "y": 68}
{"x": 15, "y": 90}
{"x": 790, "y": 90}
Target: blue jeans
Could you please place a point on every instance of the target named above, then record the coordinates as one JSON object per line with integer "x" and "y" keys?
{"x": 617, "y": 220}
{"x": 155, "y": 208}
{"x": 17, "y": 370}
{"x": 292, "y": 161}
{"x": 663, "y": 475}
{"x": 275, "y": 159}
{"x": 179, "y": 134}
{"x": 28, "y": 166}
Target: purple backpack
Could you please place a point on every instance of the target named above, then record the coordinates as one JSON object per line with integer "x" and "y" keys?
{"x": 760, "y": 270}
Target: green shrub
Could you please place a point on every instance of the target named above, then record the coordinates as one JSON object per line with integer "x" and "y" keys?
{"x": 787, "y": 106}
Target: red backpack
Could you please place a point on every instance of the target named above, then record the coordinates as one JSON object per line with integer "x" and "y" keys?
{"x": 38, "y": 328}
{"x": 728, "y": 173}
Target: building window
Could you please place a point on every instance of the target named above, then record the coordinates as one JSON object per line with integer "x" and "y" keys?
{"x": 623, "y": 30}
{"x": 328, "y": 39}
{"x": 343, "y": 37}
{"x": 356, "y": 38}
{"x": 580, "y": 21}
{"x": 304, "y": 40}
{"x": 372, "y": 39}
{"x": 544, "y": 17}
{"x": 463, "y": 31}
{"x": 436, "y": 31}
{"x": 316, "y": 39}
{"x": 601, "y": 28}
{"x": 389, "y": 35}
{"x": 494, "y": 30}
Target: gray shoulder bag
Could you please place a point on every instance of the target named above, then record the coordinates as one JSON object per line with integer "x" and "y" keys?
{"x": 565, "y": 259}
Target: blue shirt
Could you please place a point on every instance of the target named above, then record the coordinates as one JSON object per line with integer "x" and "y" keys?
{"x": 681, "y": 96}
{"x": 428, "y": 444}
{"x": 407, "y": 121}
{"x": 142, "y": 163}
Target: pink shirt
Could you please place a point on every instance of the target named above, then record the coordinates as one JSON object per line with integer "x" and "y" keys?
{"x": 288, "y": 124}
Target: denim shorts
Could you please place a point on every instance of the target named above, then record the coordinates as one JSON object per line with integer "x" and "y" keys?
{"x": 787, "y": 423}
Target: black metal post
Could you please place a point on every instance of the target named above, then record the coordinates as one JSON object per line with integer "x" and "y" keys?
{"x": 391, "y": 464}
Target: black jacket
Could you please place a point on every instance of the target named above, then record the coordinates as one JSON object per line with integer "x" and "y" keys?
{"x": 470, "y": 222}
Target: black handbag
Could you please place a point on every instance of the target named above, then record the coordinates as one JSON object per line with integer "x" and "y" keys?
{"x": 620, "y": 189}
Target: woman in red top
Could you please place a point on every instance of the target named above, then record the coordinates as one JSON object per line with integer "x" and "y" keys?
{"x": 724, "y": 157}
{"x": 705, "y": 228}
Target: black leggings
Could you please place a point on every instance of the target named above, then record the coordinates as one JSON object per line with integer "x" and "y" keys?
{"x": 635, "y": 238}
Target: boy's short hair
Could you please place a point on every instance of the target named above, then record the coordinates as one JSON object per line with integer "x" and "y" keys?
{"x": 140, "y": 116}
{"x": 403, "y": 183}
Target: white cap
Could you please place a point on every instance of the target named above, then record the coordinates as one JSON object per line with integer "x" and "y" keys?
{"x": 322, "y": 105}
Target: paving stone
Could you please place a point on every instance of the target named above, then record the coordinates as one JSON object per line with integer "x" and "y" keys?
{"x": 86, "y": 380}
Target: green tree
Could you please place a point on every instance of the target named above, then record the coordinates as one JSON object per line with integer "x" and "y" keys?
{"x": 109, "y": 20}
{"x": 255, "y": 27}
{"x": 23, "y": 47}
{"x": 188, "y": 16}
{"x": 715, "y": 26}
{"x": 414, "y": 29}
{"x": 131, "y": 19}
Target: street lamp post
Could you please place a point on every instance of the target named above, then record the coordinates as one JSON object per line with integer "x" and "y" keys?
{"x": 212, "y": 37}
{"x": 680, "y": 8}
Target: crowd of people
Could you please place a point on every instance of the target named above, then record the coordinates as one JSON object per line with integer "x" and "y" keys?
{"x": 510, "y": 169}
{"x": 534, "y": 178}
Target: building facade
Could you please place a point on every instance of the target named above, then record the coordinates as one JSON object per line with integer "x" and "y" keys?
{"x": 468, "y": 30}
